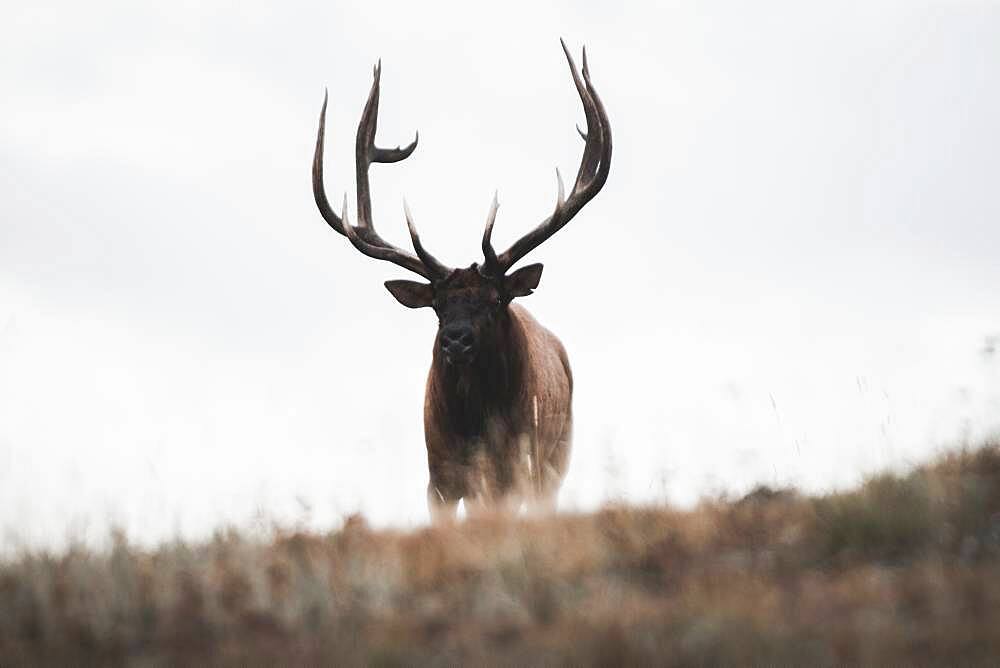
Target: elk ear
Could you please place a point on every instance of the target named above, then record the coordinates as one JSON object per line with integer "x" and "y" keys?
{"x": 524, "y": 280}
{"x": 410, "y": 293}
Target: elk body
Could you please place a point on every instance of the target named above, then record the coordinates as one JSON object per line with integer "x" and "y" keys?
{"x": 498, "y": 405}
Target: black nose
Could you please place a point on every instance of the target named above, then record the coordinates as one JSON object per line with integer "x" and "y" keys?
{"x": 458, "y": 340}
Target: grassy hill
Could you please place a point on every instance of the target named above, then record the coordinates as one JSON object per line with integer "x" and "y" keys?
{"x": 904, "y": 570}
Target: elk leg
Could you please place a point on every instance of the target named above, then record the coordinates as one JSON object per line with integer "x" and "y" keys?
{"x": 553, "y": 471}
{"x": 440, "y": 504}
{"x": 543, "y": 504}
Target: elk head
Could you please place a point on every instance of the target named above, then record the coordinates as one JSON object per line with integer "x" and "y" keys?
{"x": 470, "y": 302}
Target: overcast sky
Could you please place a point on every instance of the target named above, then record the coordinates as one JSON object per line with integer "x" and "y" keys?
{"x": 790, "y": 276}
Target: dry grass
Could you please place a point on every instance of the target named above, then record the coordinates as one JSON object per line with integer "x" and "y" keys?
{"x": 904, "y": 570}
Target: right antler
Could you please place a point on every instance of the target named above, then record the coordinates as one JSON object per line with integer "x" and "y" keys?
{"x": 590, "y": 178}
{"x": 364, "y": 237}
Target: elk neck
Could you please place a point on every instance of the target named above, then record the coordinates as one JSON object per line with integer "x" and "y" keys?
{"x": 488, "y": 385}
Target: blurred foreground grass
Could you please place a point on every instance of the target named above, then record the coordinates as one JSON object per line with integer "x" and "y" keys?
{"x": 904, "y": 570}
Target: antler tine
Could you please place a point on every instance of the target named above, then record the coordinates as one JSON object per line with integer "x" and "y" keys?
{"x": 492, "y": 265}
{"x": 437, "y": 269}
{"x": 591, "y": 176}
{"x": 590, "y": 150}
{"x": 319, "y": 193}
{"x": 364, "y": 237}
{"x": 366, "y": 153}
{"x": 604, "y": 160}
{"x": 561, "y": 197}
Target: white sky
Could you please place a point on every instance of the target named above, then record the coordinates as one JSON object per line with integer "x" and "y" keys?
{"x": 789, "y": 277}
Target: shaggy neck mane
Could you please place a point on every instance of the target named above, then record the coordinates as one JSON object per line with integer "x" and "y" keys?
{"x": 488, "y": 385}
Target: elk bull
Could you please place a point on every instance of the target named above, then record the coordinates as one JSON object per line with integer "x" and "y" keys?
{"x": 498, "y": 405}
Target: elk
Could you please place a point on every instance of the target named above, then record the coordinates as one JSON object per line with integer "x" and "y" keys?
{"x": 498, "y": 403}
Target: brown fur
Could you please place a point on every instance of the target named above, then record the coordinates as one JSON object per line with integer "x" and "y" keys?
{"x": 484, "y": 441}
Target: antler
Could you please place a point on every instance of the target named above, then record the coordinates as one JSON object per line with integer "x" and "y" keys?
{"x": 364, "y": 237}
{"x": 590, "y": 178}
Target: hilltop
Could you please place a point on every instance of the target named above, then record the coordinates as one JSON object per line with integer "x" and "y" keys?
{"x": 905, "y": 569}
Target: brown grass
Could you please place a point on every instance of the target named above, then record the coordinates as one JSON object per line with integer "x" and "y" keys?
{"x": 904, "y": 570}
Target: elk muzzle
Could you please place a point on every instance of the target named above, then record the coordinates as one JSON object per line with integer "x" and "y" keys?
{"x": 458, "y": 343}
